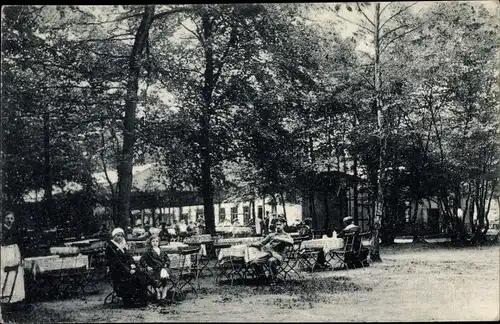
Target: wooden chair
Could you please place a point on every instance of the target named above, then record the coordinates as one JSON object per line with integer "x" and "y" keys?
{"x": 290, "y": 264}
{"x": 112, "y": 297}
{"x": 182, "y": 275}
{"x": 14, "y": 269}
{"x": 231, "y": 268}
{"x": 347, "y": 254}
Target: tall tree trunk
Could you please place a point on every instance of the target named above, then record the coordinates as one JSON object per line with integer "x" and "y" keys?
{"x": 48, "y": 176}
{"x": 205, "y": 130}
{"x": 379, "y": 202}
{"x": 254, "y": 213}
{"x": 355, "y": 189}
{"x": 127, "y": 155}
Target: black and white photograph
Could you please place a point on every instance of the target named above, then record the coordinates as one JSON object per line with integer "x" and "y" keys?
{"x": 250, "y": 162}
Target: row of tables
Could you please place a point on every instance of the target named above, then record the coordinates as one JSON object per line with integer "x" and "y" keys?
{"x": 67, "y": 257}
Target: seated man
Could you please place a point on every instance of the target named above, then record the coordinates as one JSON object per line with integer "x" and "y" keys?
{"x": 164, "y": 235}
{"x": 129, "y": 282}
{"x": 350, "y": 227}
{"x": 305, "y": 231}
{"x": 272, "y": 248}
{"x": 353, "y": 228}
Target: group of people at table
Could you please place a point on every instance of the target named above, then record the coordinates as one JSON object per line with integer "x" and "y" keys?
{"x": 132, "y": 279}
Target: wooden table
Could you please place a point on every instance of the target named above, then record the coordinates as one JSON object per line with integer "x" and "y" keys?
{"x": 82, "y": 243}
{"x": 54, "y": 275}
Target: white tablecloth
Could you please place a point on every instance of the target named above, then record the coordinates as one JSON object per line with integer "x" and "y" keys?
{"x": 87, "y": 241}
{"x": 239, "y": 240}
{"x": 327, "y": 244}
{"x": 43, "y": 264}
{"x": 154, "y": 230}
{"x": 241, "y": 230}
{"x": 244, "y": 251}
{"x": 204, "y": 238}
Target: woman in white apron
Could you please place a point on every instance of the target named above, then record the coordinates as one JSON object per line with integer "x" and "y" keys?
{"x": 11, "y": 256}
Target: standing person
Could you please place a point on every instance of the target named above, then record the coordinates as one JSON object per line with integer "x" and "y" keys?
{"x": 11, "y": 257}
{"x": 271, "y": 250}
{"x": 272, "y": 225}
{"x": 129, "y": 281}
{"x": 182, "y": 227}
{"x": 156, "y": 262}
{"x": 259, "y": 224}
{"x": 201, "y": 226}
{"x": 191, "y": 228}
{"x": 266, "y": 223}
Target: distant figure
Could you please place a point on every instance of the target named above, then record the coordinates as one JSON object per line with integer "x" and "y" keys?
{"x": 146, "y": 234}
{"x": 164, "y": 234}
{"x": 182, "y": 229}
{"x": 191, "y": 227}
{"x": 305, "y": 231}
{"x": 201, "y": 226}
{"x": 272, "y": 225}
{"x": 129, "y": 233}
{"x": 266, "y": 223}
{"x": 138, "y": 229}
{"x": 259, "y": 225}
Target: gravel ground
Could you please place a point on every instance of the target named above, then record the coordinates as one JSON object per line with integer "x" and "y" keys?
{"x": 413, "y": 283}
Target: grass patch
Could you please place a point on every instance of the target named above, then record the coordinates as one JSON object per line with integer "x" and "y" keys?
{"x": 28, "y": 314}
{"x": 301, "y": 294}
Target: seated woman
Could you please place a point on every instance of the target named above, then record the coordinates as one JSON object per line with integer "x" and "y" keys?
{"x": 129, "y": 281}
{"x": 272, "y": 248}
{"x": 156, "y": 262}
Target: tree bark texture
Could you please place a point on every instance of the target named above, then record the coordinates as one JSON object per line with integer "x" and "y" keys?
{"x": 379, "y": 201}
{"x": 205, "y": 129}
{"x": 127, "y": 154}
{"x": 48, "y": 177}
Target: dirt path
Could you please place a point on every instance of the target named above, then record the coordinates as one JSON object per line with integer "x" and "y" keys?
{"x": 416, "y": 284}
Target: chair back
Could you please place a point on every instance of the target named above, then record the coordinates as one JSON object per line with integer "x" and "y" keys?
{"x": 349, "y": 245}
{"x": 139, "y": 251}
{"x": 291, "y": 250}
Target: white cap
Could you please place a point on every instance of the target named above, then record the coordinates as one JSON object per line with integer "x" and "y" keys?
{"x": 116, "y": 231}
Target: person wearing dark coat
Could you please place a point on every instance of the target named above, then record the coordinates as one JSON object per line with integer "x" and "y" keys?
{"x": 354, "y": 259}
{"x": 156, "y": 262}
{"x": 10, "y": 232}
{"x": 305, "y": 231}
{"x": 129, "y": 281}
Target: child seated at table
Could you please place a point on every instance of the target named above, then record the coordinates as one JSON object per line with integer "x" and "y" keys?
{"x": 156, "y": 262}
{"x": 272, "y": 248}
